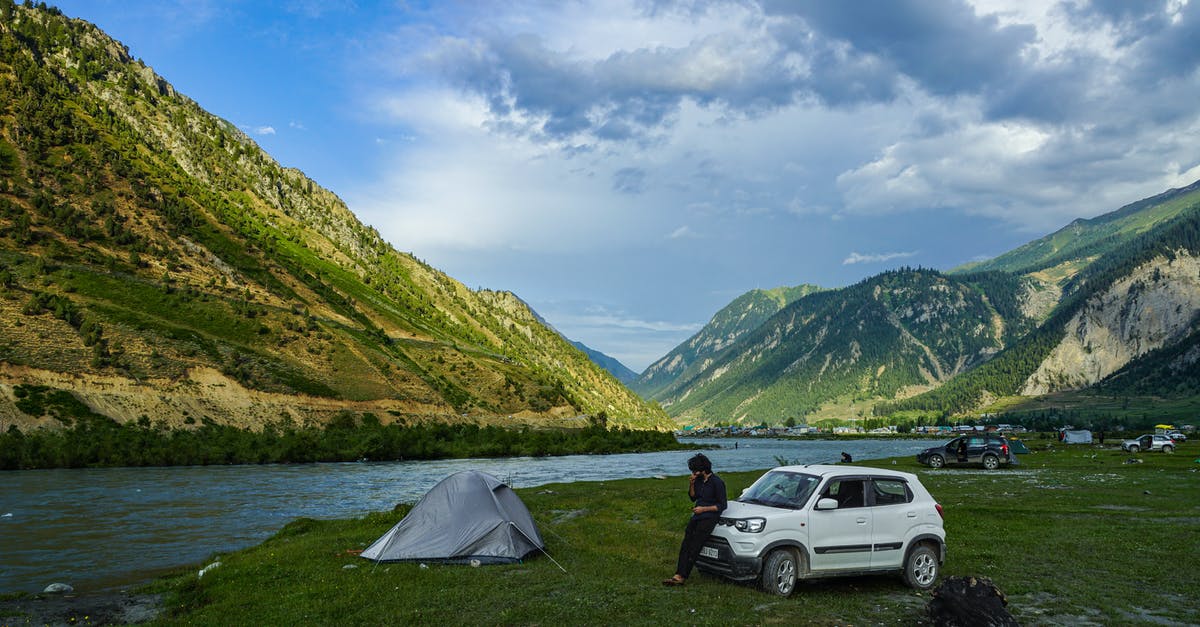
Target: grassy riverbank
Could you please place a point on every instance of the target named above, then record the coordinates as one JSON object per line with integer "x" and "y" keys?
{"x": 1073, "y": 536}
{"x": 91, "y": 440}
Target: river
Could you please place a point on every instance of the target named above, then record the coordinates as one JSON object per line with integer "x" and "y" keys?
{"x": 104, "y": 528}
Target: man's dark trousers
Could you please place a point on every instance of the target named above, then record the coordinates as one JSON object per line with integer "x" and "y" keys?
{"x": 697, "y": 532}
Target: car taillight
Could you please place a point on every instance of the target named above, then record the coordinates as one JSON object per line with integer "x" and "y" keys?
{"x": 1004, "y": 449}
{"x": 939, "y": 509}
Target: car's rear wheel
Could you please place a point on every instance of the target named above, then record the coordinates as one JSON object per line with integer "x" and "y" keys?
{"x": 991, "y": 462}
{"x": 936, "y": 461}
{"x": 1167, "y": 448}
{"x": 780, "y": 572}
{"x": 921, "y": 569}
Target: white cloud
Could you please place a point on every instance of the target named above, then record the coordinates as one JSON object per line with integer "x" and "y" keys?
{"x": 264, "y": 130}
{"x": 875, "y": 258}
{"x": 635, "y": 341}
{"x": 629, "y": 129}
{"x": 682, "y": 232}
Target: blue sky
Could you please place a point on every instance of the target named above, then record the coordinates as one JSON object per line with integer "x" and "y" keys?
{"x": 629, "y": 167}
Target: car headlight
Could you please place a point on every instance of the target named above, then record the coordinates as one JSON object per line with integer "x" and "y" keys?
{"x": 750, "y": 525}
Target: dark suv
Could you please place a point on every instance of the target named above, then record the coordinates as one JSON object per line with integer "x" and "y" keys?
{"x": 990, "y": 449}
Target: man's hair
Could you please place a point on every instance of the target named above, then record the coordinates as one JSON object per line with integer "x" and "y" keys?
{"x": 699, "y": 462}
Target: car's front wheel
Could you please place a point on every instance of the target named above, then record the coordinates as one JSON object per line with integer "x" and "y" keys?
{"x": 921, "y": 569}
{"x": 1135, "y": 448}
{"x": 991, "y": 462}
{"x": 780, "y": 572}
{"x": 936, "y": 461}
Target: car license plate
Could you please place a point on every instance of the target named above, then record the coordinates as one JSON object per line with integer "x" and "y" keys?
{"x": 709, "y": 551}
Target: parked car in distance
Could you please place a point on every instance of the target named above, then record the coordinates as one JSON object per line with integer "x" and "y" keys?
{"x": 1178, "y": 436}
{"x": 807, "y": 522}
{"x": 990, "y": 449}
{"x": 1149, "y": 442}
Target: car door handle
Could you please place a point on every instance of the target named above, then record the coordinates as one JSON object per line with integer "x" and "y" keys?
{"x": 912, "y": 514}
{"x": 861, "y": 521}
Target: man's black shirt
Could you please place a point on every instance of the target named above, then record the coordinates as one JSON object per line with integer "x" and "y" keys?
{"x": 710, "y": 492}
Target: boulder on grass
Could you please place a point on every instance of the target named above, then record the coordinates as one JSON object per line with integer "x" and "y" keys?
{"x": 969, "y": 602}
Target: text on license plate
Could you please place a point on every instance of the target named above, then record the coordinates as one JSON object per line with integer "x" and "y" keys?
{"x": 709, "y": 551}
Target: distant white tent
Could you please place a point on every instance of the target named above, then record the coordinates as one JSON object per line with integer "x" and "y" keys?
{"x": 1078, "y": 436}
{"x": 467, "y": 516}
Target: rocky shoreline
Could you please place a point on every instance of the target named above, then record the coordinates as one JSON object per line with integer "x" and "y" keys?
{"x": 115, "y": 607}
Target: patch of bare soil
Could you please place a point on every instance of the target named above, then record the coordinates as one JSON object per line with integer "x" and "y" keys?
{"x": 92, "y": 608}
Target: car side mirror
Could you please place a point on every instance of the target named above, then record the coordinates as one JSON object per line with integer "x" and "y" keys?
{"x": 827, "y": 504}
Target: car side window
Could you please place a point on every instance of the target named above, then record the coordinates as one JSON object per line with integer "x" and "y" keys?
{"x": 891, "y": 492}
{"x": 847, "y": 492}
{"x": 975, "y": 442}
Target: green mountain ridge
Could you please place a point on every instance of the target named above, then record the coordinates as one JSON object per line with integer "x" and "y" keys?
{"x": 155, "y": 261}
{"x": 902, "y": 328}
{"x": 847, "y": 346}
{"x": 743, "y": 315}
{"x": 1166, "y": 370}
{"x": 1085, "y": 239}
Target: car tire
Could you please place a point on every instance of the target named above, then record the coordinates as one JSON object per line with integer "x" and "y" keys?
{"x": 921, "y": 567}
{"x": 936, "y": 461}
{"x": 780, "y": 572}
{"x": 991, "y": 462}
{"x": 1135, "y": 448}
{"x": 1167, "y": 448}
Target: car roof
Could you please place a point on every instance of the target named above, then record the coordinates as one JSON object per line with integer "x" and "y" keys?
{"x": 832, "y": 470}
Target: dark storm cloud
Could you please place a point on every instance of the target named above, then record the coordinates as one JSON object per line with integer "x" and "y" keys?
{"x": 624, "y": 96}
{"x": 1174, "y": 51}
{"x": 837, "y": 55}
{"x": 1131, "y": 20}
{"x": 945, "y": 46}
{"x": 1163, "y": 37}
{"x": 1054, "y": 92}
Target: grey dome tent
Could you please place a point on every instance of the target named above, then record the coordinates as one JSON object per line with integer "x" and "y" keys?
{"x": 1078, "y": 436}
{"x": 469, "y": 515}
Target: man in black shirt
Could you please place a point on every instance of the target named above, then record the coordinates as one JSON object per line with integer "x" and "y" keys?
{"x": 707, "y": 492}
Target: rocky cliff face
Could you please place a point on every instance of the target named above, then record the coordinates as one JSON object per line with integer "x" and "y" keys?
{"x": 1156, "y": 305}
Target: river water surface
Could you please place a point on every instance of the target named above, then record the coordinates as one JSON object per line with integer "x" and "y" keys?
{"x": 109, "y": 527}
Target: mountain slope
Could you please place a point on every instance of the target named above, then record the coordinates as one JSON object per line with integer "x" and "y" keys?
{"x": 611, "y": 364}
{"x": 156, "y": 262}
{"x": 726, "y": 327}
{"x": 1131, "y": 312}
{"x": 873, "y": 339}
{"x": 1083, "y": 240}
{"x": 1114, "y": 301}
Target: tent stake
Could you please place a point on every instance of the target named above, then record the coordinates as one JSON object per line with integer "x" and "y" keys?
{"x": 514, "y": 525}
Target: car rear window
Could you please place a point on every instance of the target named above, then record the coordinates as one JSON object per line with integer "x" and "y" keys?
{"x": 891, "y": 492}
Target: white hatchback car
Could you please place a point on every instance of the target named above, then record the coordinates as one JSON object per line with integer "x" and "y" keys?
{"x": 802, "y": 522}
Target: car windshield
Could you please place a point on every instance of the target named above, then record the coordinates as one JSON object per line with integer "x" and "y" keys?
{"x": 780, "y": 488}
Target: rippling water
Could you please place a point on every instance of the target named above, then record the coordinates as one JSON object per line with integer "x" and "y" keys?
{"x": 108, "y": 527}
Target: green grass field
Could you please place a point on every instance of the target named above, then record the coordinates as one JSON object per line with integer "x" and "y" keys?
{"x": 1073, "y": 535}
